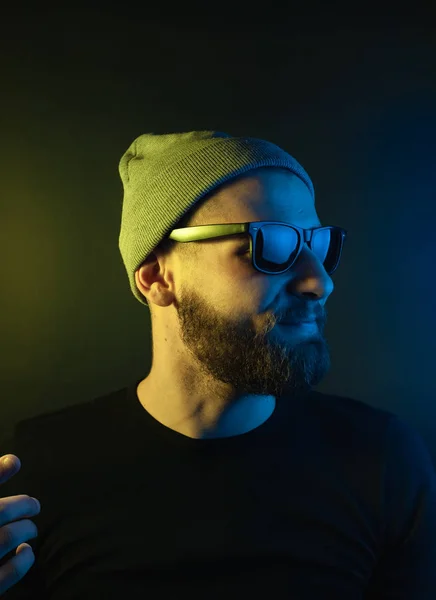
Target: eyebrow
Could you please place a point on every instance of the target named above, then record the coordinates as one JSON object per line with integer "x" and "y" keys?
{"x": 239, "y": 236}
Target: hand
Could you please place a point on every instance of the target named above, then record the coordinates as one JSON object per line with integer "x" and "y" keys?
{"x": 14, "y": 530}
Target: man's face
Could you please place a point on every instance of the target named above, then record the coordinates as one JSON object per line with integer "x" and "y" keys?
{"x": 224, "y": 312}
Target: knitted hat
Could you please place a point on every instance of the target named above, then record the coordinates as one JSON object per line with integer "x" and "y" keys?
{"x": 164, "y": 176}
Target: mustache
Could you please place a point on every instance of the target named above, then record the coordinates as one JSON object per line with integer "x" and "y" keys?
{"x": 297, "y": 316}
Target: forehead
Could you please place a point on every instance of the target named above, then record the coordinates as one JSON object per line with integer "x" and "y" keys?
{"x": 265, "y": 194}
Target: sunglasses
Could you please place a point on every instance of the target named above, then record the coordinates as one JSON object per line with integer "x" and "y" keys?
{"x": 275, "y": 246}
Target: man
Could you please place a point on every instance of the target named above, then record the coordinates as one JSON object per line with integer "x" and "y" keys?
{"x": 223, "y": 472}
{"x": 224, "y": 347}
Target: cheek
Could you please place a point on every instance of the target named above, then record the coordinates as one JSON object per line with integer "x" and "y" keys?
{"x": 231, "y": 281}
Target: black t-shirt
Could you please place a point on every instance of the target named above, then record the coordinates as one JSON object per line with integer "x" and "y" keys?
{"x": 329, "y": 498}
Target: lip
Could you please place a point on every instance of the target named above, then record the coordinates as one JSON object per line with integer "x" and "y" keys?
{"x": 297, "y": 322}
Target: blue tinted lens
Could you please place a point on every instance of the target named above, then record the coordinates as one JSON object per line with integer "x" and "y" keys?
{"x": 277, "y": 247}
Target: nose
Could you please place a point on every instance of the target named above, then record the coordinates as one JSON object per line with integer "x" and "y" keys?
{"x": 309, "y": 276}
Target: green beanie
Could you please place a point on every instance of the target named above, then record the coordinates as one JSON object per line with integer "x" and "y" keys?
{"x": 164, "y": 176}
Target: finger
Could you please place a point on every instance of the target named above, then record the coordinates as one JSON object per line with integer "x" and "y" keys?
{"x": 9, "y": 464}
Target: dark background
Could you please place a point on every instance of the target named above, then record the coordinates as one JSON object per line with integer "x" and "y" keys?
{"x": 355, "y": 104}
